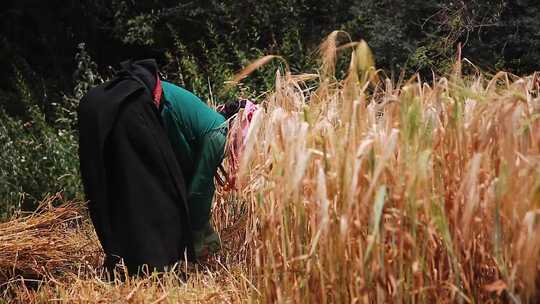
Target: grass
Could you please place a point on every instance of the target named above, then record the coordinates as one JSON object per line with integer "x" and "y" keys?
{"x": 365, "y": 190}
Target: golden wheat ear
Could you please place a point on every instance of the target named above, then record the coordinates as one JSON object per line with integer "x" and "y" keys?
{"x": 328, "y": 51}
{"x": 254, "y": 66}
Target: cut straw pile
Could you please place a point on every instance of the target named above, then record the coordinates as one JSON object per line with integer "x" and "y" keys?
{"x": 50, "y": 241}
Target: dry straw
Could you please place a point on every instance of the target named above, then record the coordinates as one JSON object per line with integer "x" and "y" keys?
{"x": 364, "y": 191}
{"x": 49, "y": 241}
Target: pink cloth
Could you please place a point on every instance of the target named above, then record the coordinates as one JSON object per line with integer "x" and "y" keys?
{"x": 248, "y": 113}
{"x": 239, "y": 139}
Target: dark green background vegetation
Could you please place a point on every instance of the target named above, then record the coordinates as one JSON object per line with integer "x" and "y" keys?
{"x": 52, "y": 51}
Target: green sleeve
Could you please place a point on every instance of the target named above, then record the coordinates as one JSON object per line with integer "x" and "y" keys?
{"x": 180, "y": 145}
{"x": 202, "y": 188}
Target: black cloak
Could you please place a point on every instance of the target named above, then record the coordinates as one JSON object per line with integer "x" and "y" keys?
{"x": 134, "y": 186}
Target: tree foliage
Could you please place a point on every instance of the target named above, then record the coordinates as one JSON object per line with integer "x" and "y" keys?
{"x": 41, "y": 37}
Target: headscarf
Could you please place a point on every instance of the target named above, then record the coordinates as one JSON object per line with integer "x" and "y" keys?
{"x": 239, "y": 124}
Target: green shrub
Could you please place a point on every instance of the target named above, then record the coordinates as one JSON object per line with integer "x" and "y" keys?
{"x": 39, "y": 155}
{"x": 36, "y": 159}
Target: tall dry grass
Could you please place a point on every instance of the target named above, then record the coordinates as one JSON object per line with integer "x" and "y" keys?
{"x": 364, "y": 190}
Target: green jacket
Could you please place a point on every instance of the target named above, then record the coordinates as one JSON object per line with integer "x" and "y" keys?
{"x": 198, "y": 135}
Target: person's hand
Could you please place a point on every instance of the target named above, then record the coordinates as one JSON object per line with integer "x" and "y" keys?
{"x": 206, "y": 242}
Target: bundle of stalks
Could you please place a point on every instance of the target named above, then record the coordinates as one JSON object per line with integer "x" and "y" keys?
{"x": 49, "y": 241}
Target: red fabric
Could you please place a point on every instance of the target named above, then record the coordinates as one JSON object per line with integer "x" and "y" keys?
{"x": 157, "y": 92}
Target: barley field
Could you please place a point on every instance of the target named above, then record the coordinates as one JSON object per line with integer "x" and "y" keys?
{"x": 360, "y": 189}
